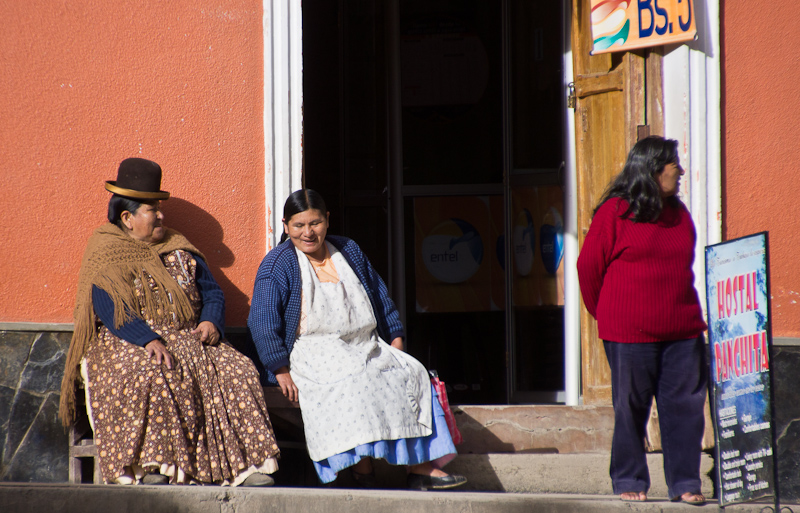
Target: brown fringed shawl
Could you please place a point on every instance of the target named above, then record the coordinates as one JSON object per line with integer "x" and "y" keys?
{"x": 112, "y": 261}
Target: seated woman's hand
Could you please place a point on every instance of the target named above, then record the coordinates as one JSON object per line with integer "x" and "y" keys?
{"x": 397, "y": 343}
{"x": 208, "y": 333}
{"x": 158, "y": 350}
{"x": 286, "y": 383}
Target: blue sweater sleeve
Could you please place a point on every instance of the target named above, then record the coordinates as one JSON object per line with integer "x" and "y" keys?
{"x": 212, "y": 295}
{"x": 268, "y": 323}
{"x": 135, "y": 330}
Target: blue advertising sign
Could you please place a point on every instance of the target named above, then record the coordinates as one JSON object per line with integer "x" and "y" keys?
{"x": 737, "y": 294}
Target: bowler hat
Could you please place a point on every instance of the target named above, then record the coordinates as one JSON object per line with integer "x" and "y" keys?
{"x": 138, "y": 179}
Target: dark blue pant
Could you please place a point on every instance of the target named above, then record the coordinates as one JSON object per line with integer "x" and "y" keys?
{"x": 676, "y": 373}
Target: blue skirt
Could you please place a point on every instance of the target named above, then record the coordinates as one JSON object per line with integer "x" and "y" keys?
{"x": 436, "y": 448}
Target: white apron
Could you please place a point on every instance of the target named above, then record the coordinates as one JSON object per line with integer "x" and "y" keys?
{"x": 354, "y": 387}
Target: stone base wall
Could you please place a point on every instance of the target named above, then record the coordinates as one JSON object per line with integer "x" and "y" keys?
{"x": 785, "y": 372}
{"x": 33, "y": 445}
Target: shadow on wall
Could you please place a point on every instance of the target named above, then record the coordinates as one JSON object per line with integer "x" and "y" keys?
{"x": 205, "y": 232}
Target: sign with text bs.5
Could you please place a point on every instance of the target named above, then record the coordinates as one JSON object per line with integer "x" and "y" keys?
{"x": 621, "y": 25}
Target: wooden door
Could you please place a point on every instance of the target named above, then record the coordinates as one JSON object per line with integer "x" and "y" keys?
{"x": 614, "y": 93}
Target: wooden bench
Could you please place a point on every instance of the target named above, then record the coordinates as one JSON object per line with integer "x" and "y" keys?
{"x": 82, "y": 451}
{"x": 284, "y": 414}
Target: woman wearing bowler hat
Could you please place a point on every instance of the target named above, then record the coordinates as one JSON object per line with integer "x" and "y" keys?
{"x": 168, "y": 398}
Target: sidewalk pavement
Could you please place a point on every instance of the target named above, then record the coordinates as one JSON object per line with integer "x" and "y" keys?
{"x": 65, "y": 498}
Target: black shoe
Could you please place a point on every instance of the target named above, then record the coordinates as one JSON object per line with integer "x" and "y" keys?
{"x": 420, "y": 482}
{"x": 155, "y": 479}
{"x": 366, "y": 481}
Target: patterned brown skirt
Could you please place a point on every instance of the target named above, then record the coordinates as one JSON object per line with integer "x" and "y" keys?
{"x": 203, "y": 421}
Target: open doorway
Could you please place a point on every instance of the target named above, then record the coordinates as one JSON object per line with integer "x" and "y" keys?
{"x": 480, "y": 134}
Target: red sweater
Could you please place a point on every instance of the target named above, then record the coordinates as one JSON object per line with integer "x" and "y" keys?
{"x": 636, "y": 278}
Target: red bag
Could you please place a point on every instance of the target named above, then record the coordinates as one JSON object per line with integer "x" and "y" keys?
{"x": 441, "y": 390}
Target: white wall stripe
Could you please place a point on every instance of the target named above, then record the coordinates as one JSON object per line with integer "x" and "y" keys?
{"x": 283, "y": 108}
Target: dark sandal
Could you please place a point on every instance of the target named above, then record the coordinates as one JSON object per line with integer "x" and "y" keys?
{"x": 258, "y": 479}
{"x": 366, "y": 481}
{"x": 155, "y": 479}
{"x": 420, "y": 482}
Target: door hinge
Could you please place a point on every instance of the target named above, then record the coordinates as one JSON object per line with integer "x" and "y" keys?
{"x": 571, "y": 98}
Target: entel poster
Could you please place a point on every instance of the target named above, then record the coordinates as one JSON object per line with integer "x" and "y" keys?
{"x": 460, "y": 251}
{"x": 737, "y": 294}
{"x": 621, "y": 25}
{"x": 456, "y": 265}
{"x": 537, "y": 243}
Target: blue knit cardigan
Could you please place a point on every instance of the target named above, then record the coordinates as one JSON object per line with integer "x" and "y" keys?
{"x": 275, "y": 308}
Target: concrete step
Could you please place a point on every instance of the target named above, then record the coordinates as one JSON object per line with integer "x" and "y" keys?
{"x": 548, "y": 449}
{"x": 535, "y": 428}
{"x": 538, "y": 473}
{"x": 35, "y": 498}
{"x": 547, "y": 429}
{"x": 558, "y": 473}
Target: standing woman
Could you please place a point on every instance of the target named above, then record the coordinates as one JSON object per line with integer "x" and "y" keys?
{"x": 636, "y": 278}
{"x": 168, "y": 398}
{"x": 329, "y": 334}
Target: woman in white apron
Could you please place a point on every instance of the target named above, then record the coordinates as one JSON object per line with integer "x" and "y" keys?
{"x": 320, "y": 319}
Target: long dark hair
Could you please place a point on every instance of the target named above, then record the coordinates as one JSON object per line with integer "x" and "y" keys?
{"x": 300, "y": 201}
{"x": 638, "y": 182}
{"x": 119, "y": 204}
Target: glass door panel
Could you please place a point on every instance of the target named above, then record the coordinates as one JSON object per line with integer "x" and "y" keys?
{"x": 535, "y": 199}
{"x": 451, "y": 68}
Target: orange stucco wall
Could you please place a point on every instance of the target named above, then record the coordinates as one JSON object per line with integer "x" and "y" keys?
{"x": 761, "y": 109}
{"x": 87, "y": 84}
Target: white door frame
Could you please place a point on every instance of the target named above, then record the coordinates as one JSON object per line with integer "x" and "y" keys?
{"x": 283, "y": 109}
